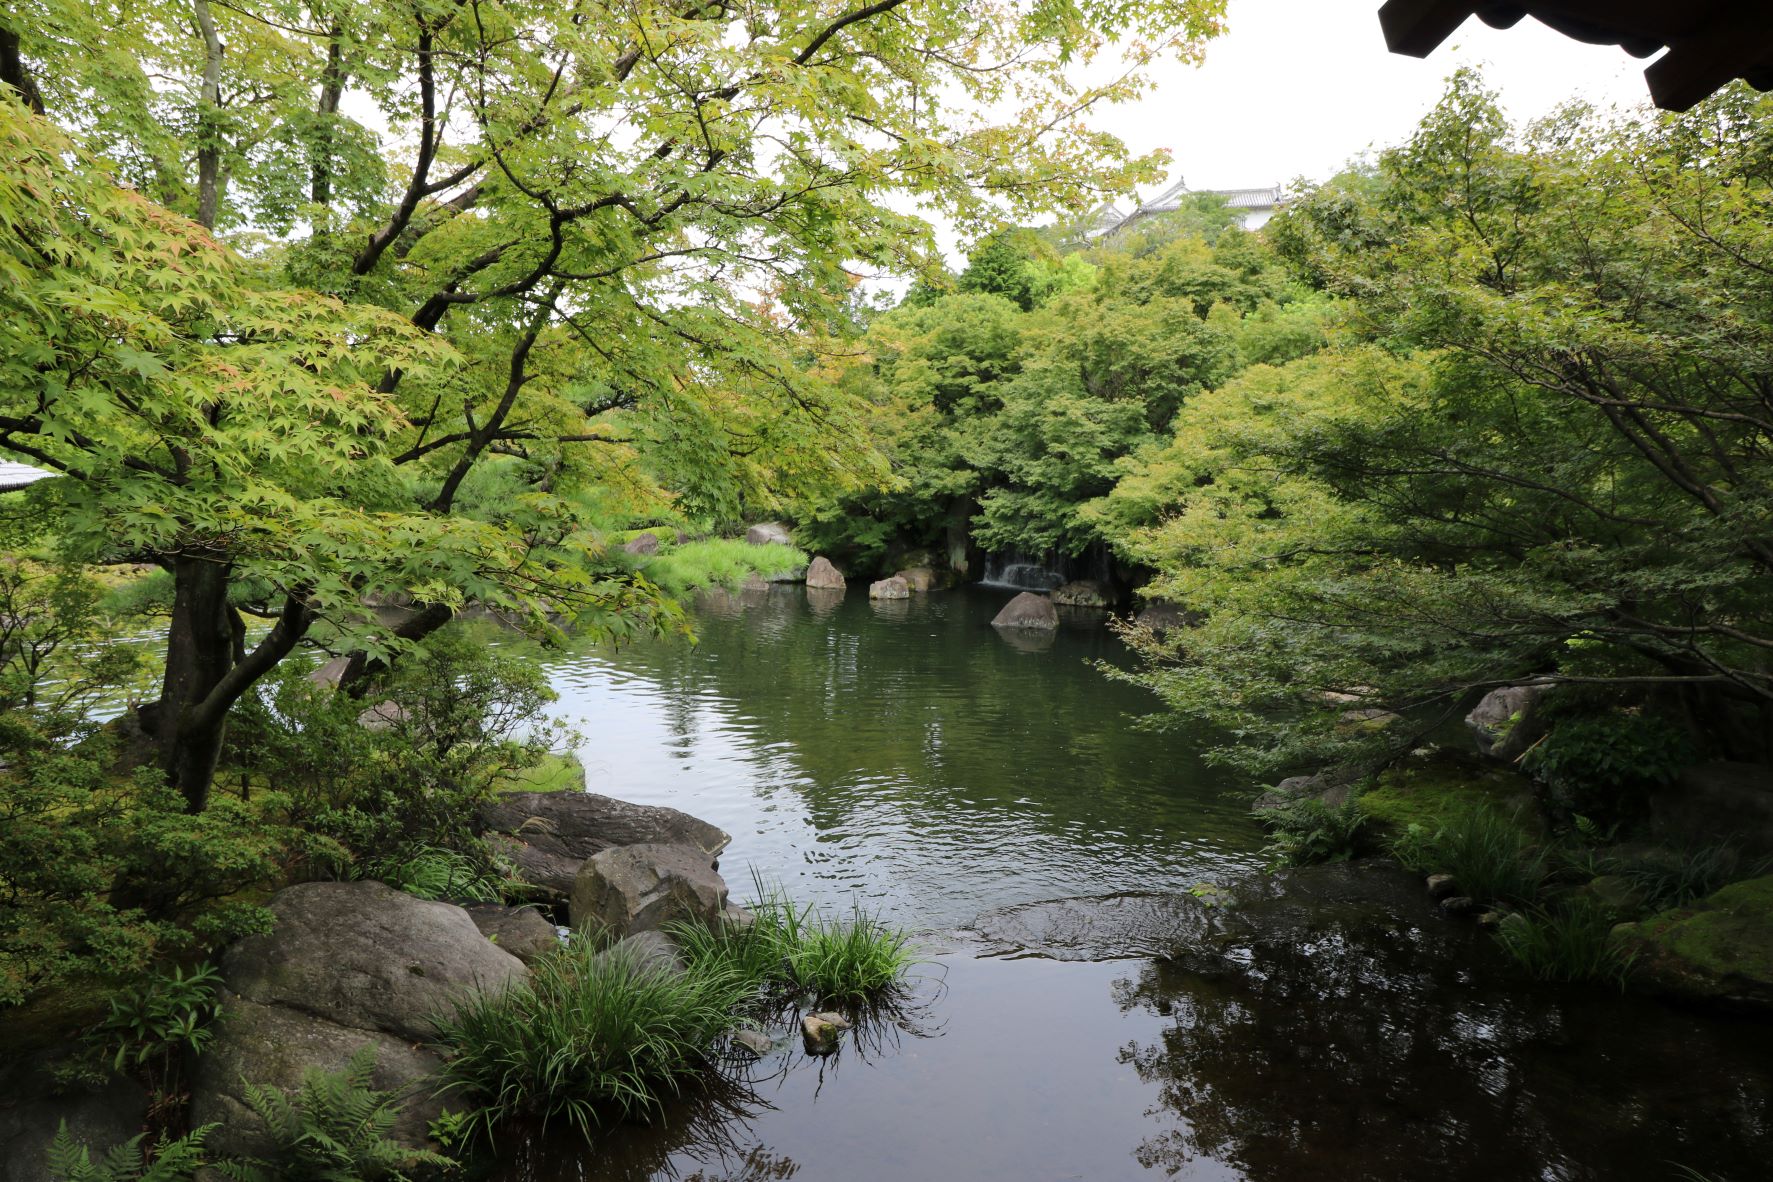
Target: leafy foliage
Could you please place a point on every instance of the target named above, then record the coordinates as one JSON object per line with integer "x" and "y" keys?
{"x": 173, "y": 1160}
{"x": 335, "y": 1127}
{"x": 1309, "y": 831}
{"x": 164, "y": 1015}
{"x": 1569, "y": 942}
{"x": 1490, "y": 856}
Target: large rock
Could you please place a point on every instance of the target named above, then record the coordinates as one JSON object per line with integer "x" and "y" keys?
{"x": 889, "y": 588}
{"x": 1328, "y": 788}
{"x": 821, "y": 575}
{"x": 1718, "y": 950}
{"x": 918, "y": 578}
{"x": 1027, "y": 610}
{"x": 1505, "y": 721}
{"x": 348, "y": 964}
{"x": 550, "y": 834}
{"x": 641, "y": 888}
{"x": 1081, "y": 593}
{"x": 644, "y": 544}
{"x": 99, "y": 1120}
{"x": 648, "y": 953}
{"x": 524, "y": 932}
{"x": 769, "y": 533}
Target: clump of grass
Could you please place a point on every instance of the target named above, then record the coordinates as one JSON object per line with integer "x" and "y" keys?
{"x": 1489, "y": 855}
{"x": 587, "y": 1035}
{"x": 795, "y": 950}
{"x": 435, "y": 872}
{"x": 718, "y": 562}
{"x": 1571, "y": 942}
{"x": 1689, "y": 875}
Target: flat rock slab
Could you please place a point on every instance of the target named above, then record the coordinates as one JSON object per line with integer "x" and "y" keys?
{"x": 641, "y": 888}
{"x": 1718, "y": 950}
{"x": 550, "y": 834}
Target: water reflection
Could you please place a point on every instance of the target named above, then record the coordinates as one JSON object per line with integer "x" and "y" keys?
{"x": 1341, "y": 1031}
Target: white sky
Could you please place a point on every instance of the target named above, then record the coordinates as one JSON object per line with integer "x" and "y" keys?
{"x": 1299, "y": 87}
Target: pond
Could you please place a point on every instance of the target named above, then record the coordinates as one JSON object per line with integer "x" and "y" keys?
{"x": 1081, "y": 1014}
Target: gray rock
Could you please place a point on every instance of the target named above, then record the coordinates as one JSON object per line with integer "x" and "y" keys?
{"x": 754, "y": 1041}
{"x": 831, "y": 1018}
{"x": 1441, "y": 885}
{"x": 649, "y": 952}
{"x": 821, "y": 575}
{"x": 754, "y": 582}
{"x": 1491, "y": 920}
{"x": 647, "y": 543}
{"x": 348, "y": 964}
{"x": 1503, "y": 723}
{"x": 99, "y": 1120}
{"x": 819, "y": 1035}
{"x": 364, "y": 955}
{"x": 889, "y": 588}
{"x": 524, "y": 932}
{"x": 550, "y": 834}
{"x": 640, "y": 888}
{"x": 1027, "y": 610}
{"x": 918, "y": 578}
{"x": 1459, "y": 905}
{"x": 275, "y": 1045}
{"x": 1081, "y": 593}
{"x": 1326, "y": 788}
{"x": 737, "y": 919}
{"x": 769, "y": 533}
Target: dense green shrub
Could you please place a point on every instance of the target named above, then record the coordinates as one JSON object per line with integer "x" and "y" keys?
{"x": 1308, "y": 831}
{"x": 1601, "y": 765}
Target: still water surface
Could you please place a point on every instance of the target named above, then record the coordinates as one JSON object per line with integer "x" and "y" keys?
{"x": 1081, "y": 1016}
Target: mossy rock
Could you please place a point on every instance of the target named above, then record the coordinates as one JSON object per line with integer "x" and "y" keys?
{"x": 1430, "y": 792}
{"x": 1718, "y": 950}
{"x": 556, "y": 772}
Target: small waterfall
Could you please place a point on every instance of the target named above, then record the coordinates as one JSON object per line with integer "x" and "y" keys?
{"x": 1016, "y": 571}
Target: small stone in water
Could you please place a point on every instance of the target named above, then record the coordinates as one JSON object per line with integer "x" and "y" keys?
{"x": 1441, "y": 885}
{"x": 1459, "y": 904}
{"x": 819, "y": 1035}
{"x": 833, "y": 1019}
{"x": 755, "y": 1041}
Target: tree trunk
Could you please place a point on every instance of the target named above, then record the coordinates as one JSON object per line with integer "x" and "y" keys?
{"x": 200, "y": 652}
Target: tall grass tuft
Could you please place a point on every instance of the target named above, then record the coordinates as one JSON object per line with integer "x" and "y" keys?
{"x": 718, "y": 562}
{"x": 1572, "y": 942}
{"x": 794, "y": 950}
{"x": 1488, "y": 854}
{"x": 588, "y": 1035}
{"x": 1691, "y": 874}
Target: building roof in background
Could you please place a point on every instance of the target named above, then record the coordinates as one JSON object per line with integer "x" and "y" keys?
{"x": 1708, "y": 42}
{"x": 16, "y": 476}
{"x": 1110, "y": 217}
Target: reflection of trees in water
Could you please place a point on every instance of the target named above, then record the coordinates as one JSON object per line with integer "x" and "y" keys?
{"x": 1342, "y": 1044}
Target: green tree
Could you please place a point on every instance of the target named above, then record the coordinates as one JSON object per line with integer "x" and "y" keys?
{"x": 610, "y": 232}
{"x": 1541, "y": 449}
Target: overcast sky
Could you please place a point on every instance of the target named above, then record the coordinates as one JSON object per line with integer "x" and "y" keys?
{"x": 1298, "y": 87}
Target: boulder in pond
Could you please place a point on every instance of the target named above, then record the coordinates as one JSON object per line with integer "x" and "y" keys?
{"x": 642, "y": 545}
{"x": 1027, "y": 610}
{"x": 918, "y": 578}
{"x": 642, "y": 888}
{"x": 347, "y": 964}
{"x": 889, "y": 588}
{"x": 548, "y": 835}
{"x": 819, "y": 1034}
{"x": 823, "y": 576}
{"x": 1081, "y": 593}
{"x": 1718, "y": 950}
{"x": 1507, "y": 721}
{"x": 769, "y": 533}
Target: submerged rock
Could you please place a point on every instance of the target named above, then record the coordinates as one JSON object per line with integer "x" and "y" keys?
{"x": 347, "y": 964}
{"x": 548, "y": 835}
{"x": 755, "y": 1041}
{"x": 819, "y": 1034}
{"x": 1027, "y": 610}
{"x": 1718, "y": 950}
{"x": 640, "y": 888}
{"x": 822, "y": 575}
